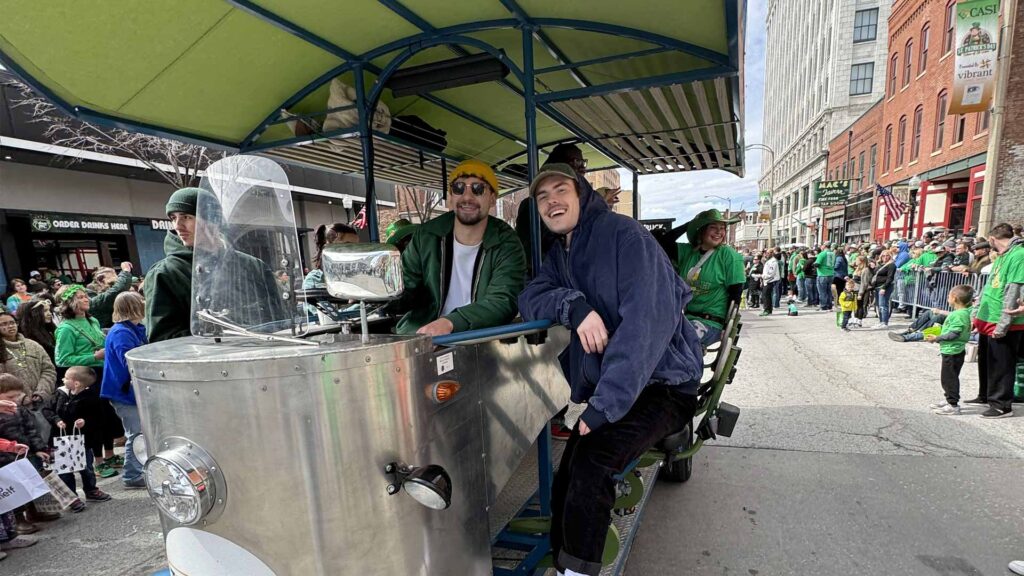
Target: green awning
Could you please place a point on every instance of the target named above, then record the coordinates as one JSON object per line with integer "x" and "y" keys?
{"x": 652, "y": 85}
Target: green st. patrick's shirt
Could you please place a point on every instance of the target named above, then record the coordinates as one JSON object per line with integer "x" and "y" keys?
{"x": 1007, "y": 269}
{"x": 826, "y": 262}
{"x": 722, "y": 269}
{"x": 957, "y": 321}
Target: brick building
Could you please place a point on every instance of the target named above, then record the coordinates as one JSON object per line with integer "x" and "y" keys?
{"x": 917, "y": 137}
{"x": 1007, "y": 203}
{"x": 854, "y": 155}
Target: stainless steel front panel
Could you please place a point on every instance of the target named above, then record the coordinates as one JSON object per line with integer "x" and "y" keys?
{"x": 302, "y": 435}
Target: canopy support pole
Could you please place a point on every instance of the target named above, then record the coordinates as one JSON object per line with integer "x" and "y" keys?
{"x": 366, "y": 139}
{"x": 636, "y": 196}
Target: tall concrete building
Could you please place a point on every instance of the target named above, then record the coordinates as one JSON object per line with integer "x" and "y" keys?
{"x": 825, "y": 66}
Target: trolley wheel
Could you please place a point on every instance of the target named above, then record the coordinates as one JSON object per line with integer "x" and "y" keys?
{"x": 679, "y": 470}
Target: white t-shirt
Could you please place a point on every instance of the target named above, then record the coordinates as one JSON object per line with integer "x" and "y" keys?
{"x": 460, "y": 289}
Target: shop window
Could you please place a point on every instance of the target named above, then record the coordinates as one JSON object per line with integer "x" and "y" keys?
{"x": 940, "y": 120}
{"x": 865, "y": 25}
{"x": 922, "y": 58}
{"x": 861, "y": 77}
{"x": 915, "y": 142}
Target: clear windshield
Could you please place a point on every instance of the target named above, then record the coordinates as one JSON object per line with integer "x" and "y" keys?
{"x": 246, "y": 262}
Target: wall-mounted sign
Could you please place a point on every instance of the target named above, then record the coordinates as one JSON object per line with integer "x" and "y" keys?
{"x": 831, "y": 192}
{"x": 76, "y": 224}
{"x": 977, "y": 49}
{"x": 161, "y": 224}
{"x": 661, "y": 225}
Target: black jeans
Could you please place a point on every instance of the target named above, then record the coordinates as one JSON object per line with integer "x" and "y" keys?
{"x": 1001, "y": 363}
{"x": 88, "y": 475}
{"x": 950, "y": 377}
{"x": 983, "y": 368}
{"x": 583, "y": 491}
{"x": 767, "y": 295}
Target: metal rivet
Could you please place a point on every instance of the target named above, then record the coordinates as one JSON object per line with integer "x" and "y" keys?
{"x": 298, "y": 368}
{"x": 149, "y": 388}
{"x": 398, "y": 368}
{"x": 196, "y": 392}
{"x": 189, "y": 445}
{"x": 214, "y": 469}
{"x": 416, "y": 350}
{"x": 337, "y": 380}
{"x": 392, "y": 489}
{"x": 161, "y": 373}
{"x": 220, "y": 500}
{"x": 369, "y": 359}
{"x": 205, "y": 523}
{"x": 224, "y": 373}
{"x": 264, "y": 388}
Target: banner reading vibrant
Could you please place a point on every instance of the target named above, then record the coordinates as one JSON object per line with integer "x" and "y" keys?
{"x": 832, "y": 192}
{"x": 765, "y": 205}
{"x": 977, "y": 49}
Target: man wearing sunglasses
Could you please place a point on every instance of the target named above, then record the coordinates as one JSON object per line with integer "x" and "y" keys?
{"x": 463, "y": 270}
{"x": 632, "y": 356}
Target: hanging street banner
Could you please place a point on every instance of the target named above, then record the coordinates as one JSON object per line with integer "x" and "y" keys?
{"x": 832, "y": 192}
{"x": 977, "y": 50}
{"x": 765, "y": 204}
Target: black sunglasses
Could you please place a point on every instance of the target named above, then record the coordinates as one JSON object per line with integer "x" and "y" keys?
{"x": 459, "y": 188}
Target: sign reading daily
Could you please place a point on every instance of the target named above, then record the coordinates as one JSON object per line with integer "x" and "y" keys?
{"x": 977, "y": 49}
{"x": 832, "y": 192}
{"x": 70, "y": 224}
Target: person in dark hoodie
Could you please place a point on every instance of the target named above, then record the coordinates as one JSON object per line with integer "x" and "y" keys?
{"x": 247, "y": 282}
{"x": 632, "y": 356}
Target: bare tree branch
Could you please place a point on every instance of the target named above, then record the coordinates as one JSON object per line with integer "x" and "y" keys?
{"x": 185, "y": 160}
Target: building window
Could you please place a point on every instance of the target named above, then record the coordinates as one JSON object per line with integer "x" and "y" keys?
{"x": 901, "y": 141}
{"x": 861, "y": 76}
{"x": 860, "y": 172}
{"x": 981, "y": 124}
{"x": 922, "y": 58}
{"x": 893, "y": 66}
{"x": 908, "y": 52}
{"x": 959, "y": 127}
{"x": 871, "y": 167}
{"x": 865, "y": 25}
{"x": 807, "y": 196}
{"x": 887, "y": 151}
{"x": 844, "y": 171}
{"x": 949, "y": 30}
{"x": 915, "y": 142}
{"x": 940, "y": 120}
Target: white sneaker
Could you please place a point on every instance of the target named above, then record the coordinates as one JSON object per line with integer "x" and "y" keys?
{"x": 1017, "y": 567}
{"x": 948, "y": 410}
{"x": 881, "y": 327}
{"x": 937, "y": 405}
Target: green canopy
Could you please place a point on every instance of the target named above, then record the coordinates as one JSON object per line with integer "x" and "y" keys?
{"x": 652, "y": 85}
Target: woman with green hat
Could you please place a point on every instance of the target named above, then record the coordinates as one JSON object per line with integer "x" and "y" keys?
{"x": 713, "y": 270}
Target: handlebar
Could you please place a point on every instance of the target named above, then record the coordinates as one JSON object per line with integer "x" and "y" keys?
{"x": 492, "y": 333}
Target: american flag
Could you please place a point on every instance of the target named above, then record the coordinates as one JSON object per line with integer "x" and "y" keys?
{"x": 893, "y": 205}
{"x": 360, "y": 221}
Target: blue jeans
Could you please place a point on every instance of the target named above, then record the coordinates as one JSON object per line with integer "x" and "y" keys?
{"x": 777, "y": 297}
{"x": 801, "y": 289}
{"x": 884, "y": 300}
{"x": 709, "y": 334}
{"x": 825, "y": 292}
{"x": 129, "y": 414}
{"x": 811, "y": 290}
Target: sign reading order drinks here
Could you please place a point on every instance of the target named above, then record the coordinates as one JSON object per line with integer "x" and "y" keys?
{"x": 832, "y": 192}
{"x": 977, "y": 50}
{"x": 72, "y": 224}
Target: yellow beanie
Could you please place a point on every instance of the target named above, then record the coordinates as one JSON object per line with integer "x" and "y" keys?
{"x": 476, "y": 168}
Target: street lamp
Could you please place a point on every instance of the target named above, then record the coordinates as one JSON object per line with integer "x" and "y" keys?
{"x": 729, "y": 200}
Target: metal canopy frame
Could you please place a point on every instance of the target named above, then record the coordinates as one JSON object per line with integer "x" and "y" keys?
{"x": 555, "y": 104}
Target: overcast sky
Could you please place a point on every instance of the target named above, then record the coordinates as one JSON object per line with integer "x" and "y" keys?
{"x": 681, "y": 195}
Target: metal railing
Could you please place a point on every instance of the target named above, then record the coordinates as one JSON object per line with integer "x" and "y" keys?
{"x": 926, "y": 290}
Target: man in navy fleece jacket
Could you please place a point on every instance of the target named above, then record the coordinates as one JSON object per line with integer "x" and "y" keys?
{"x": 632, "y": 356}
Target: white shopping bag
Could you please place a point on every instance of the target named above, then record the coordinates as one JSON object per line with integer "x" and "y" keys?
{"x": 19, "y": 485}
{"x": 69, "y": 453}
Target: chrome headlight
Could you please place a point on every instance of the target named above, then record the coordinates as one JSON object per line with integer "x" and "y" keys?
{"x": 185, "y": 482}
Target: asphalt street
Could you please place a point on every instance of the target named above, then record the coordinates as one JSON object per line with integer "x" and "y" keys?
{"x": 838, "y": 467}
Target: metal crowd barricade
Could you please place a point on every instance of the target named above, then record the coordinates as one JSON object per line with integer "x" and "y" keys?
{"x": 926, "y": 290}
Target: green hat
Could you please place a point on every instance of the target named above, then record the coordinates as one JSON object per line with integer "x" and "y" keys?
{"x": 399, "y": 230}
{"x": 184, "y": 200}
{"x": 548, "y": 170}
{"x": 694, "y": 227}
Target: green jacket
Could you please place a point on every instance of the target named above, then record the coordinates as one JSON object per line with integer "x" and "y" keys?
{"x": 168, "y": 291}
{"x": 101, "y": 306}
{"x": 497, "y": 281}
{"x": 77, "y": 340}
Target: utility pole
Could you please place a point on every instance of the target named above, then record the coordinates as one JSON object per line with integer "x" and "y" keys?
{"x": 1000, "y": 178}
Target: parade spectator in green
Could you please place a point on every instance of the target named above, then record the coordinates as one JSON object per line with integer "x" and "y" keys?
{"x": 799, "y": 261}
{"x": 101, "y": 304}
{"x": 825, "y": 263}
{"x": 956, "y": 330}
{"x": 1000, "y": 332}
{"x": 713, "y": 270}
